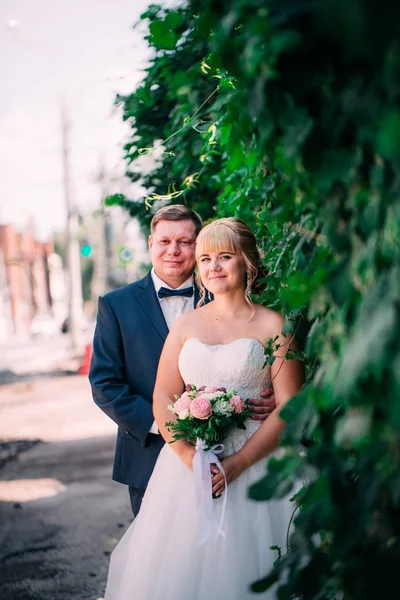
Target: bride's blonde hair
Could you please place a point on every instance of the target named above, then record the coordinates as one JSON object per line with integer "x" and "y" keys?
{"x": 232, "y": 235}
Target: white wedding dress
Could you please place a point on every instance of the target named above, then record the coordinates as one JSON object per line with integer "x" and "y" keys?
{"x": 159, "y": 557}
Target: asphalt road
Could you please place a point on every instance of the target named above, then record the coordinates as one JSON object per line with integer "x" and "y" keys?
{"x": 60, "y": 513}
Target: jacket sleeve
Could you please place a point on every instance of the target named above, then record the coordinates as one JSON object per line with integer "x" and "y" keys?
{"x": 107, "y": 378}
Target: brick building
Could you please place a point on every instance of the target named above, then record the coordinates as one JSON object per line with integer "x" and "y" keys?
{"x": 24, "y": 280}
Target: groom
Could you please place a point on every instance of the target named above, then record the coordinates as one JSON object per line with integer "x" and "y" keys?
{"x": 132, "y": 324}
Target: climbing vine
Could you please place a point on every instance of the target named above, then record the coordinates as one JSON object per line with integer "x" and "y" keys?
{"x": 287, "y": 114}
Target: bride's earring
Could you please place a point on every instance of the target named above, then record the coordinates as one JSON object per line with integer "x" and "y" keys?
{"x": 248, "y": 285}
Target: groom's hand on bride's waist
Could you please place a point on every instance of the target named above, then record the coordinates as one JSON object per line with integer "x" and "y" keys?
{"x": 262, "y": 407}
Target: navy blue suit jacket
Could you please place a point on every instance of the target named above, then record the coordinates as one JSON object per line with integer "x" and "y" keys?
{"x": 128, "y": 340}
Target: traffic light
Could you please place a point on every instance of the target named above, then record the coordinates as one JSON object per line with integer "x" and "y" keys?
{"x": 86, "y": 250}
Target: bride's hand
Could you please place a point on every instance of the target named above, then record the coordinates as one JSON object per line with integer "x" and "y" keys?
{"x": 233, "y": 467}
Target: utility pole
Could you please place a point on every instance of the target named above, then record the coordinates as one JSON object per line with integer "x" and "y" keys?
{"x": 100, "y": 250}
{"x": 73, "y": 252}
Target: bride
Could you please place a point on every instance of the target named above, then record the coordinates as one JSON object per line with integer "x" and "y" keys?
{"x": 219, "y": 344}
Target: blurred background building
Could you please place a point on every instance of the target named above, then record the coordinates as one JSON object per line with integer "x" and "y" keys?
{"x": 28, "y": 279}
{"x": 33, "y": 281}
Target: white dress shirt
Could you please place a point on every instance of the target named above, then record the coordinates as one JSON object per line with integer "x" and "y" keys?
{"x": 172, "y": 308}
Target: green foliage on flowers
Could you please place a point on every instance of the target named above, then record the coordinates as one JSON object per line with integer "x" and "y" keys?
{"x": 213, "y": 429}
{"x": 300, "y": 136}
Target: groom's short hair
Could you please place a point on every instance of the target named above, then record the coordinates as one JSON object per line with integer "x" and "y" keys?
{"x": 177, "y": 212}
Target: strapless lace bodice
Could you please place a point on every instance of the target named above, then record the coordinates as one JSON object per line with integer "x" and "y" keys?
{"x": 237, "y": 365}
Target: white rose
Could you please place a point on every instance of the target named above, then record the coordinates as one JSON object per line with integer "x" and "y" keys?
{"x": 223, "y": 407}
{"x": 207, "y": 395}
{"x": 184, "y": 414}
{"x": 214, "y": 395}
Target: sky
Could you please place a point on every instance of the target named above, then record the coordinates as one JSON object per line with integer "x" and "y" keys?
{"x": 81, "y": 52}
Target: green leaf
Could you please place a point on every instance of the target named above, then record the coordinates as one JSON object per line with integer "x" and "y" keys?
{"x": 273, "y": 228}
{"x": 264, "y": 584}
{"x": 300, "y": 288}
{"x": 389, "y": 138}
{"x": 288, "y": 327}
{"x": 293, "y": 408}
{"x": 161, "y": 35}
{"x": 173, "y": 20}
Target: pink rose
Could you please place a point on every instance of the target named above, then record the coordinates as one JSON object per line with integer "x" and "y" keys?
{"x": 201, "y": 408}
{"x": 189, "y": 387}
{"x": 238, "y": 403}
{"x": 210, "y": 389}
{"x": 183, "y": 403}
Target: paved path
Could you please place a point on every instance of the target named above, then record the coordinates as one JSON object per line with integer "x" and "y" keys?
{"x": 61, "y": 514}
{"x": 34, "y": 358}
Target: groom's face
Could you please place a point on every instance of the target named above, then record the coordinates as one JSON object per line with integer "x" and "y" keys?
{"x": 171, "y": 246}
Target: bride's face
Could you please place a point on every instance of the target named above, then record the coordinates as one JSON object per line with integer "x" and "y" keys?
{"x": 222, "y": 272}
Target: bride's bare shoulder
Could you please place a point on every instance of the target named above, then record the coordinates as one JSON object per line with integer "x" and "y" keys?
{"x": 269, "y": 320}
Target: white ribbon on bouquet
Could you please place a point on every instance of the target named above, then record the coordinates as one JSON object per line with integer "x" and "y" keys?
{"x": 203, "y": 489}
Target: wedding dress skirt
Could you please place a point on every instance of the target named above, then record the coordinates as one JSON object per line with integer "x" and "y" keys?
{"x": 159, "y": 557}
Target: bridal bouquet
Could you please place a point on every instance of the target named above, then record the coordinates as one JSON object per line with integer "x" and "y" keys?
{"x": 207, "y": 414}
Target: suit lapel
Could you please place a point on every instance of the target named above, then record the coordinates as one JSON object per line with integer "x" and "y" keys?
{"x": 148, "y": 300}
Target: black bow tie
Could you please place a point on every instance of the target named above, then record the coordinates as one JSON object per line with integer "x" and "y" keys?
{"x": 167, "y": 293}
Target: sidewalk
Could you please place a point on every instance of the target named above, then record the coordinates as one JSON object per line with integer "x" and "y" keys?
{"x": 60, "y": 511}
{"x": 35, "y": 359}
{"x": 55, "y": 409}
